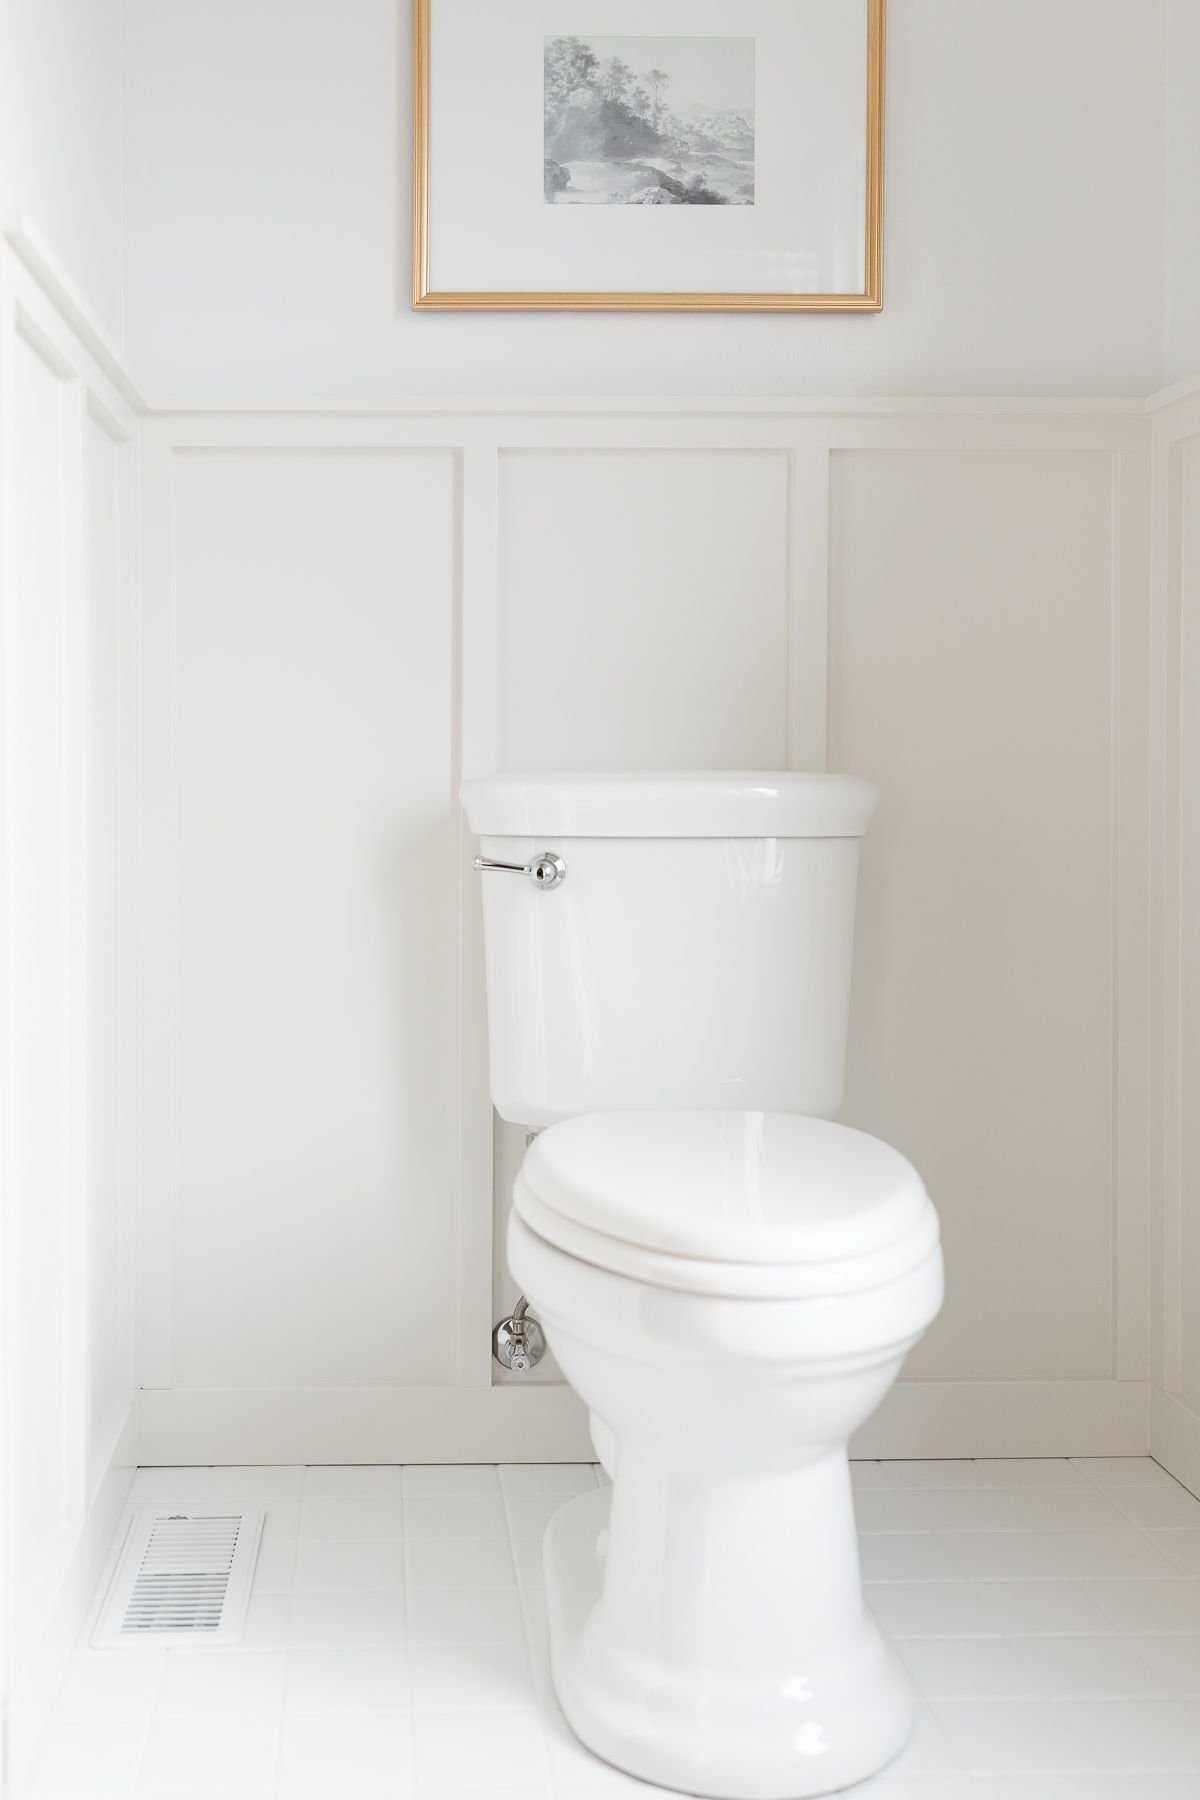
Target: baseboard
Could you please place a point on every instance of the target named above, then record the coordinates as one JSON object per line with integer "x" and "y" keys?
{"x": 540, "y": 1423}
{"x": 1008, "y": 1418}
{"x": 546, "y": 1423}
{"x": 1175, "y": 1437}
{"x": 36, "y": 1676}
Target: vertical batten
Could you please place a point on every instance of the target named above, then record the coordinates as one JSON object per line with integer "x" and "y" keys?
{"x": 1131, "y": 896}
{"x": 158, "y": 1150}
{"x": 808, "y": 609}
{"x": 1175, "y": 1063}
{"x": 78, "y": 1073}
{"x": 477, "y": 647}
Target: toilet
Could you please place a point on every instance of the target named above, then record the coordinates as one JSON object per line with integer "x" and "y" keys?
{"x": 729, "y": 1280}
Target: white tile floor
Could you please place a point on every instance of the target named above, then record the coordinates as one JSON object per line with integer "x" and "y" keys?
{"x": 1048, "y": 1612}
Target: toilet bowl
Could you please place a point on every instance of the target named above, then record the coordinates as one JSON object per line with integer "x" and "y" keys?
{"x": 731, "y": 1294}
{"x": 729, "y": 1281}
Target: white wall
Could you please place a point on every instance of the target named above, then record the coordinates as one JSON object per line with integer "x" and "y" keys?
{"x": 1181, "y": 358}
{"x": 267, "y": 217}
{"x": 69, "y": 956}
{"x": 351, "y": 611}
{"x": 60, "y": 137}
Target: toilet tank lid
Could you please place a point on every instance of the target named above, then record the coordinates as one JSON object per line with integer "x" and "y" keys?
{"x": 686, "y": 804}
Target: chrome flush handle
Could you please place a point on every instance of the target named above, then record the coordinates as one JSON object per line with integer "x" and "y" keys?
{"x": 545, "y": 871}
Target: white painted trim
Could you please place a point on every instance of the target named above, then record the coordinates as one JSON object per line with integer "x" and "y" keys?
{"x": 78, "y": 1121}
{"x": 9, "y": 1046}
{"x": 1160, "y": 1012}
{"x": 660, "y": 405}
{"x": 362, "y": 1425}
{"x": 158, "y": 1034}
{"x": 43, "y": 306}
{"x": 1008, "y": 1418}
{"x": 1167, "y": 600}
{"x": 479, "y": 607}
{"x": 1131, "y": 917}
{"x": 27, "y": 243}
{"x": 1175, "y": 1437}
{"x": 518, "y": 428}
{"x": 476, "y": 753}
{"x": 1162, "y": 399}
{"x": 1175, "y": 1427}
{"x": 546, "y": 1423}
{"x": 808, "y": 609}
{"x": 1179, "y": 423}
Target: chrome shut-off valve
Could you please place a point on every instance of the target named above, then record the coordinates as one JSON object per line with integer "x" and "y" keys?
{"x": 518, "y": 1342}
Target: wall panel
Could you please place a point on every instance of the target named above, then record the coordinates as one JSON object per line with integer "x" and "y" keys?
{"x": 315, "y": 1223}
{"x": 971, "y": 674}
{"x": 644, "y": 602}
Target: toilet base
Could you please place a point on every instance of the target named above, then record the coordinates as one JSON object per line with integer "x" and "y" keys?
{"x": 704, "y": 1728}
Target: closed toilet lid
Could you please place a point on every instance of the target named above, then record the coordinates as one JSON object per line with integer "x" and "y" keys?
{"x": 734, "y": 1203}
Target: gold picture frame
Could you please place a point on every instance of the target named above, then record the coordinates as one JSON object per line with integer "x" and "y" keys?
{"x": 426, "y": 299}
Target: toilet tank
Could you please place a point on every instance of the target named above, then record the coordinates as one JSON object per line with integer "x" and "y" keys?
{"x": 694, "y": 953}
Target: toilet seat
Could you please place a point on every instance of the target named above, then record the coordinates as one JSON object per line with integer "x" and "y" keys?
{"x": 741, "y": 1205}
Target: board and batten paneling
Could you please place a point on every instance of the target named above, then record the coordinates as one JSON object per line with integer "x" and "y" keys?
{"x": 68, "y": 946}
{"x": 949, "y": 599}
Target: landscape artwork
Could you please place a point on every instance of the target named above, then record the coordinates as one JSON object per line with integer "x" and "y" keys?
{"x": 648, "y": 121}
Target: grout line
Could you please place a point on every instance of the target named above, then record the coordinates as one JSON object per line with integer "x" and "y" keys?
{"x": 410, "y": 1706}
{"x": 148, "y": 1722}
{"x": 541, "y": 1698}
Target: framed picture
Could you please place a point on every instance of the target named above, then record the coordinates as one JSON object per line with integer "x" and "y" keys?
{"x": 648, "y": 155}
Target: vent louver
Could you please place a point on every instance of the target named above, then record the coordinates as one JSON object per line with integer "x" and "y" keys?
{"x": 182, "y": 1576}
